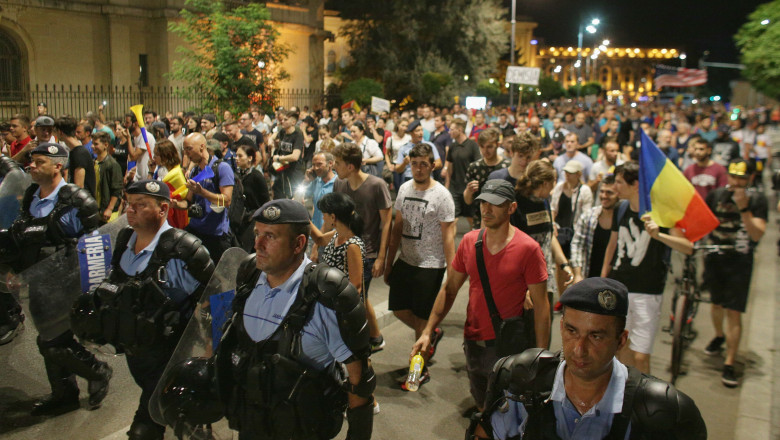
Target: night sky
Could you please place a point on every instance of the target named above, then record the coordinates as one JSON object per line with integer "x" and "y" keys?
{"x": 692, "y": 26}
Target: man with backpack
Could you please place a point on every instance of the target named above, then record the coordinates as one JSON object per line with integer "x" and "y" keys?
{"x": 210, "y": 183}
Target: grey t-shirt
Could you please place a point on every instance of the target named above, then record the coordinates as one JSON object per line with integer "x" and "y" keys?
{"x": 423, "y": 211}
{"x": 370, "y": 197}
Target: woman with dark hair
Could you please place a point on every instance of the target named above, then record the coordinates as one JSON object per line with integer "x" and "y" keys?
{"x": 169, "y": 171}
{"x": 341, "y": 247}
{"x": 255, "y": 192}
{"x": 193, "y": 125}
{"x": 372, "y": 154}
{"x": 166, "y": 157}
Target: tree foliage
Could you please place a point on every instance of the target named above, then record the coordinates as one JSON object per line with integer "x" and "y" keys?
{"x": 400, "y": 43}
{"x": 759, "y": 45}
{"x": 225, "y": 49}
{"x": 361, "y": 90}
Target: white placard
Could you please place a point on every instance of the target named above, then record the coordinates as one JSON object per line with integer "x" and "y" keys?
{"x": 379, "y": 105}
{"x": 523, "y": 75}
{"x": 476, "y": 102}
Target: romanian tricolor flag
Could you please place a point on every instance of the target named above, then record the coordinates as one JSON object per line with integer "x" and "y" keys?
{"x": 351, "y": 104}
{"x": 668, "y": 196}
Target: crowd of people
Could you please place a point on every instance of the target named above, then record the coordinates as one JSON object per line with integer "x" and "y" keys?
{"x": 551, "y": 193}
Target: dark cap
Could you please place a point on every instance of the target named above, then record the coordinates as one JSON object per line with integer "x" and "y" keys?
{"x": 740, "y": 168}
{"x": 209, "y": 117}
{"x": 44, "y": 121}
{"x": 42, "y": 104}
{"x": 309, "y": 121}
{"x": 414, "y": 124}
{"x": 497, "y": 191}
{"x": 150, "y": 187}
{"x": 50, "y": 149}
{"x": 281, "y": 211}
{"x": 602, "y": 296}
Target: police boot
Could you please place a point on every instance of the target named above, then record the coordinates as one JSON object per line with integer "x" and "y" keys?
{"x": 64, "y": 395}
{"x": 145, "y": 431}
{"x": 77, "y": 359}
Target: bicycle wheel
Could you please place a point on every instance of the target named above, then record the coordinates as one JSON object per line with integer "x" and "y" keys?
{"x": 678, "y": 339}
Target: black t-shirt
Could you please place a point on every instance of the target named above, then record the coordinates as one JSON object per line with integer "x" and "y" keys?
{"x": 289, "y": 142}
{"x": 503, "y": 174}
{"x": 461, "y": 155}
{"x": 243, "y": 140}
{"x": 120, "y": 154}
{"x": 254, "y": 135}
{"x": 79, "y": 157}
{"x": 640, "y": 260}
{"x": 308, "y": 151}
{"x": 565, "y": 216}
{"x": 532, "y": 216}
{"x": 597, "y": 250}
{"x": 731, "y": 230}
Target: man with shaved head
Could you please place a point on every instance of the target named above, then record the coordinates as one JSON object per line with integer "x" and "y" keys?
{"x": 210, "y": 184}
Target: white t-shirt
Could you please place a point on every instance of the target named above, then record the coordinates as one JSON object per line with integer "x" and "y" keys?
{"x": 178, "y": 142}
{"x": 142, "y": 164}
{"x": 428, "y": 125}
{"x": 761, "y": 148}
{"x": 423, "y": 211}
{"x": 370, "y": 148}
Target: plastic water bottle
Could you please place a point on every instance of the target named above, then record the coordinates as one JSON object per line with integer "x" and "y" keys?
{"x": 415, "y": 372}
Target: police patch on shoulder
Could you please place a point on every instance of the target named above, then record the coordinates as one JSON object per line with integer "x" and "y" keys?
{"x": 52, "y": 149}
{"x": 152, "y": 187}
{"x": 272, "y": 213}
{"x": 607, "y": 300}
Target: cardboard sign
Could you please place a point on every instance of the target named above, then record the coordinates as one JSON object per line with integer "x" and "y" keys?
{"x": 523, "y": 75}
{"x": 379, "y": 105}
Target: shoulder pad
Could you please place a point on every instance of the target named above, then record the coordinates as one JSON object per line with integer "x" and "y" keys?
{"x": 7, "y": 165}
{"x": 86, "y": 206}
{"x": 177, "y": 244}
{"x": 247, "y": 270}
{"x": 334, "y": 291}
{"x": 660, "y": 406}
{"x": 529, "y": 374}
{"x": 28, "y": 196}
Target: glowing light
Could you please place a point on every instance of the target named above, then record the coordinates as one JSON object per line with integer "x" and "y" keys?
{"x": 595, "y": 22}
{"x": 765, "y": 22}
{"x": 261, "y": 64}
{"x": 591, "y": 29}
{"x": 605, "y": 42}
{"x": 465, "y": 77}
{"x": 683, "y": 56}
{"x": 534, "y": 42}
{"x": 491, "y": 80}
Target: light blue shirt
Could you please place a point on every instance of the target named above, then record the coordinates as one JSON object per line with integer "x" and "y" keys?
{"x": 317, "y": 188}
{"x": 580, "y": 157}
{"x": 404, "y": 151}
{"x": 179, "y": 283}
{"x": 570, "y": 424}
{"x": 41, "y": 207}
{"x": 266, "y": 307}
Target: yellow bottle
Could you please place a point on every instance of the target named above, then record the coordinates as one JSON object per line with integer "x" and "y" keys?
{"x": 415, "y": 372}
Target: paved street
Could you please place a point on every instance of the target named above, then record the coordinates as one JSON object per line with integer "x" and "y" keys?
{"x": 435, "y": 411}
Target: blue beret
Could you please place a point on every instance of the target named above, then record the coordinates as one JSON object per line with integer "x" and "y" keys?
{"x": 281, "y": 211}
{"x": 602, "y": 296}
{"x": 150, "y": 188}
{"x": 50, "y": 149}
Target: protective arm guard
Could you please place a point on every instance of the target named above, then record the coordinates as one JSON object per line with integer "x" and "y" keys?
{"x": 177, "y": 244}
{"x": 335, "y": 292}
{"x": 528, "y": 376}
{"x": 9, "y": 250}
{"x": 86, "y": 206}
{"x": 7, "y": 165}
{"x": 658, "y": 406}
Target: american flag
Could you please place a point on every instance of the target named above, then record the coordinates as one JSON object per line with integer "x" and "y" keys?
{"x": 668, "y": 76}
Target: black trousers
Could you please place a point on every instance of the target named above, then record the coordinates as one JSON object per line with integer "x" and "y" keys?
{"x": 146, "y": 371}
{"x": 9, "y": 310}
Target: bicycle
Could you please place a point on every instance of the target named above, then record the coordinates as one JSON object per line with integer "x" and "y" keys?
{"x": 685, "y": 304}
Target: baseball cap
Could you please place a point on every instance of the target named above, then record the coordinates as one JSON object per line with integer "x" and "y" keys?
{"x": 282, "y": 211}
{"x": 497, "y": 191}
{"x": 602, "y": 296}
{"x": 572, "y": 166}
{"x": 150, "y": 188}
{"x": 740, "y": 168}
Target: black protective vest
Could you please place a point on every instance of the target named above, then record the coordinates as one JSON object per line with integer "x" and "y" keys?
{"x": 265, "y": 389}
{"x": 136, "y": 315}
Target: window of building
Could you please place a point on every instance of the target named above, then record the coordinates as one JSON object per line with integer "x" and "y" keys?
{"x": 11, "y": 72}
{"x": 331, "y": 61}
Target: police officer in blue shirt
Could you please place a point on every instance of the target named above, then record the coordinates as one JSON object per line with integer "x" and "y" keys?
{"x": 588, "y": 394}
{"x": 53, "y": 215}
{"x": 209, "y": 198}
{"x": 295, "y": 323}
{"x": 158, "y": 273}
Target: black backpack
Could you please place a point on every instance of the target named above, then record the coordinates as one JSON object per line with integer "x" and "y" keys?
{"x": 236, "y": 210}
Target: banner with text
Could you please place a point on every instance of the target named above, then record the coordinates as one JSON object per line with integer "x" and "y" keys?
{"x": 523, "y": 75}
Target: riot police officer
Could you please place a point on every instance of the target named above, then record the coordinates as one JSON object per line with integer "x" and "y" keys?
{"x": 143, "y": 306}
{"x": 53, "y": 215}
{"x": 535, "y": 394}
{"x": 295, "y": 324}
{"x": 11, "y": 316}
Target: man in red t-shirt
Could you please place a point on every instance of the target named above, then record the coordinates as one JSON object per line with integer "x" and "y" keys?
{"x": 20, "y": 129}
{"x": 705, "y": 174}
{"x": 515, "y": 266}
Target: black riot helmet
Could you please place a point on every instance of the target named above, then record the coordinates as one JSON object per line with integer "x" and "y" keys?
{"x": 188, "y": 397}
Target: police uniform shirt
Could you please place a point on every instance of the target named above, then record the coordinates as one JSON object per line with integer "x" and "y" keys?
{"x": 266, "y": 307}
{"x": 179, "y": 283}
{"x": 41, "y": 207}
{"x": 212, "y": 223}
{"x": 570, "y": 424}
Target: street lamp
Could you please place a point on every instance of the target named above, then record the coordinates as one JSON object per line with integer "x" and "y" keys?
{"x": 591, "y": 28}
{"x": 683, "y": 57}
{"x": 512, "y": 49}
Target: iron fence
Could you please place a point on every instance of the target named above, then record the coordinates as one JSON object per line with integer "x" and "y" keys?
{"x": 78, "y": 100}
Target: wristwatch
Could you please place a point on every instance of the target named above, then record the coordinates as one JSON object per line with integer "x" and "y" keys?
{"x": 745, "y": 209}
{"x": 564, "y": 265}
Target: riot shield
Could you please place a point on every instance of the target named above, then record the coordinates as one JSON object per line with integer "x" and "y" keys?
{"x": 197, "y": 344}
{"x": 52, "y": 284}
{"x": 12, "y": 190}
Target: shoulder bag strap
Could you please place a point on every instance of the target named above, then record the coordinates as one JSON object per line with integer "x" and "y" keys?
{"x": 495, "y": 317}
{"x": 620, "y": 421}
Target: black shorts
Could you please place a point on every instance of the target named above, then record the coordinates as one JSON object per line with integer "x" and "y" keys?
{"x": 461, "y": 208}
{"x": 414, "y": 288}
{"x": 727, "y": 277}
